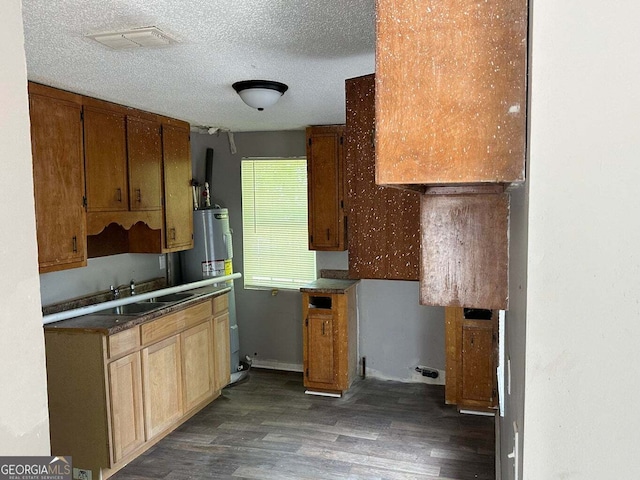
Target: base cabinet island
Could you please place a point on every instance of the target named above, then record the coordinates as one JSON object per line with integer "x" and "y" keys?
{"x": 117, "y": 384}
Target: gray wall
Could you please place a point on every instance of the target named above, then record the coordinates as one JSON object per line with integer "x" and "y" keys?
{"x": 396, "y": 333}
{"x": 98, "y": 275}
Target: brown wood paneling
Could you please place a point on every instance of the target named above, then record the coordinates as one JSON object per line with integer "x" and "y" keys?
{"x": 58, "y": 175}
{"x": 322, "y": 366}
{"x": 178, "y": 206}
{"x": 144, "y": 150}
{"x": 450, "y": 91}
{"x": 452, "y": 319}
{"x": 465, "y": 252}
{"x": 222, "y": 351}
{"x": 105, "y": 149}
{"x": 383, "y": 223}
{"x": 477, "y": 379}
{"x": 325, "y": 176}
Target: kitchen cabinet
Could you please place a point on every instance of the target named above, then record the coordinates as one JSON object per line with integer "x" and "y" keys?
{"x": 329, "y": 335}
{"x": 105, "y": 146}
{"x": 114, "y": 395}
{"x": 325, "y": 180}
{"x": 450, "y": 92}
{"x": 58, "y": 176}
{"x": 222, "y": 342}
{"x": 383, "y": 223}
{"x": 178, "y": 207}
{"x": 144, "y": 151}
{"x": 465, "y": 250}
{"x": 198, "y": 364}
{"x": 471, "y": 358}
{"x": 125, "y": 395}
{"x": 162, "y": 373}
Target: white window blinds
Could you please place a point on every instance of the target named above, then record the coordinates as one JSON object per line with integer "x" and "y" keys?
{"x": 274, "y": 220}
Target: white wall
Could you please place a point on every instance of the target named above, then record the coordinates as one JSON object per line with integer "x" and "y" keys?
{"x": 24, "y": 421}
{"x": 396, "y": 333}
{"x": 583, "y": 306}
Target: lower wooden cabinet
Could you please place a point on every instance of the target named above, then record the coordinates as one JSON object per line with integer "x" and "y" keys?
{"x": 111, "y": 397}
{"x": 127, "y": 421}
{"x": 162, "y": 373}
{"x": 471, "y": 357}
{"x": 329, "y": 336}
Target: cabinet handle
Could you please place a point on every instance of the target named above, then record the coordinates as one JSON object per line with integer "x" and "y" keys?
{"x": 118, "y": 194}
{"x": 328, "y": 234}
{"x": 173, "y": 234}
{"x": 323, "y": 323}
{"x": 75, "y": 244}
{"x": 138, "y": 195}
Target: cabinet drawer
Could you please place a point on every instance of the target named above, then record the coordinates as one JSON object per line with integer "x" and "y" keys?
{"x": 220, "y": 304}
{"x": 175, "y": 322}
{"x": 123, "y": 342}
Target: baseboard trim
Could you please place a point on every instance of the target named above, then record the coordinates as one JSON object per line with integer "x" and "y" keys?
{"x": 277, "y": 365}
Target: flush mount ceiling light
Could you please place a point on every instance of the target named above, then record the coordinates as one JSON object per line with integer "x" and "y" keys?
{"x": 137, "y": 37}
{"x": 260, "y": 94}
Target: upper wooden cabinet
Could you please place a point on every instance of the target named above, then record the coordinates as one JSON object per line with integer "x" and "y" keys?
{"x": 465, "y": 250}
{"x": 144, "y": 148}
{"x": 178, "y": 207}
{"x": 325, "y": 177}
{"x": 383, "y": 223}
{"x": 58, "y": 175}
{"x": 450, "y": 92}
{"x": 105, "y": 147}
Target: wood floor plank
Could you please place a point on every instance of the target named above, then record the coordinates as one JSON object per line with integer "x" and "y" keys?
{"x": 267, "y": 428}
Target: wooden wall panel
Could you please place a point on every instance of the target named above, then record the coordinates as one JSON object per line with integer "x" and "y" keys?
{"x": 465, "y": 250}
{"x": 450, "y": 91}
{"x": 383, "y": 223}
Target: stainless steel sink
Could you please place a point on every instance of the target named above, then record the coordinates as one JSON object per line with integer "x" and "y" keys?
{"x": 132, "y": 308}
{"x": 172, "y": 297}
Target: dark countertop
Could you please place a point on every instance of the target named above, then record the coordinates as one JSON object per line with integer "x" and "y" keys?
{"x": 111, "y": 324}
{"x": 329, "y": 285}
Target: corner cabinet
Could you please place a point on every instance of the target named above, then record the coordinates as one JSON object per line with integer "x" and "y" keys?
{"x": 329, "y": 335}
{"x": 178, "y": 206}
{"x": 113, "y": 396}
{"x": 450, "y": 92}
{"x": 471, "y": 358}
{"x": 325, "y": 180}
{"x": 58, "y": 176}
{"x": 384, "y": 223}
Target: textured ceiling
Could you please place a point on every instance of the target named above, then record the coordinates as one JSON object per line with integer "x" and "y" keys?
{"x": 310, "y": 45}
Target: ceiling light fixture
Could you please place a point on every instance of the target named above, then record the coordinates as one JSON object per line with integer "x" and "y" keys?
{"x": 260, "y": 94}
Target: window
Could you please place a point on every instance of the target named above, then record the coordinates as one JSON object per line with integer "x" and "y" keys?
{"x": 274, "y": 221}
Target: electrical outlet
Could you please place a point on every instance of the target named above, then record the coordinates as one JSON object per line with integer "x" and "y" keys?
{"x": 81, "y": 474}
{"x": 163, "y": 262}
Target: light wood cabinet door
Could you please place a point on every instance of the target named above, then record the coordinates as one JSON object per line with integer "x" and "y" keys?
{"x": 144, "y": 148}
{"x": 178, "y": 208}
{"x": 197, "y": 365}
{"x": 162, "y": 385}
{"x": 450, "y": 91}
{"x": 325, "y": 180}
{"x": 320, "y": 343}
{"x": 58, "y": 175}
{"x": 383, "y": 223}
{"x": 222, "y": 349}
{"x": 125, "y": 394}
{"x": 105, "y": 146}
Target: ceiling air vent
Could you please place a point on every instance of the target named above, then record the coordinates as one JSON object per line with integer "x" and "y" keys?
{"x": 137, "y": 37}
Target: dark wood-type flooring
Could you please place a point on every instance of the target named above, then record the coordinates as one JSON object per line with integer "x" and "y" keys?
{"x": 267, "y": 428}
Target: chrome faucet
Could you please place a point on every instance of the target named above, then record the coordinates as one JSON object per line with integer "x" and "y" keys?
{"x": 132, "y": 288}
{"x": 115, "y": 293}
